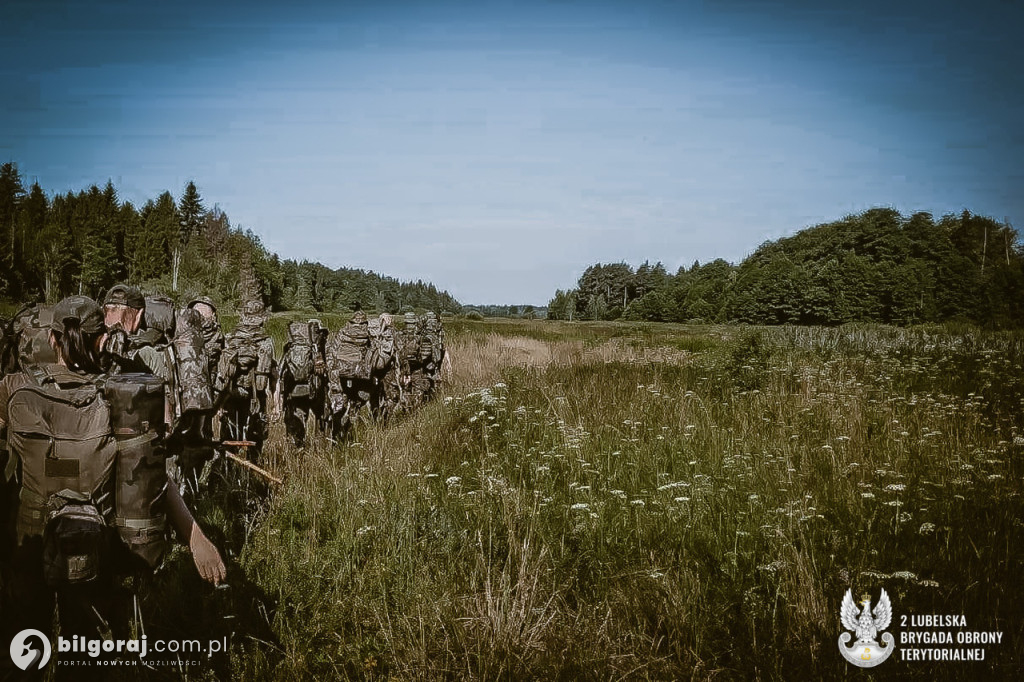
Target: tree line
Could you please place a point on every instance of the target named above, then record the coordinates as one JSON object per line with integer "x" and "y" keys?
{"x": 84, "y": 242}
{"x": 877, "y": 266}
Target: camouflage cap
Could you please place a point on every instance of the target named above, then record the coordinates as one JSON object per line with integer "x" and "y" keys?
{"x": 410, "y": 318}
{"x": 81, "y": 308}
{"x": 123, "y": 294}
{"x": 430, "y": 315}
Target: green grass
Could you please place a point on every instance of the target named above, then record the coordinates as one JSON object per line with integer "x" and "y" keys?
{"x": 637, "y": 501}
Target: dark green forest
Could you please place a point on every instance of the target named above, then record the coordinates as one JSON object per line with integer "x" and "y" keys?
{"x": 878, "y": 266}
{"x": 53, "y": 246}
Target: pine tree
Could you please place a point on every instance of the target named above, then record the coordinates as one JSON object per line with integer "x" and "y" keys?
{"x": 11, "y": 194}
{"x": 190, "y": 214}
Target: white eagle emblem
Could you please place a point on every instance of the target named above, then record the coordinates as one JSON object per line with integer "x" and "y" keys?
{"x": 866, "y": 624}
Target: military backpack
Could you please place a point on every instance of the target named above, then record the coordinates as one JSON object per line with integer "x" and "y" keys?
{"x": 26, "y": 340}
{"x": 299, "y": 358}
{"x": 92, "y": 461}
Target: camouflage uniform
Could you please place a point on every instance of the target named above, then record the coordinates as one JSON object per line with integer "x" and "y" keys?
{"x": 320, "y": 403}
{"x": 193, "y": 407}
{"x": 247, "y": 371}
{"x": 197, "y": 442}
{"x": 349, "y": 383}
{"x": 134, "y": 350}
{"x": 302, "y": 386}
{"x": 27, "y": 600}
{"x": 384, "y": 368}
{"x": 433, "y": 329}
{"x": 417, "y": 384}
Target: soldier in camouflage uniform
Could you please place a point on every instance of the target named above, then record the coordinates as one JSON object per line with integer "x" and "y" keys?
{"x": 147, "y": 335}
{"x": 303, "y": 368}
{"x": 417, "y": 384}
{"x": 319, "y": 399}
{"x": 213, "y": 337}
{"x": 434, "y": 333}
{"x": 130, "y": 346}
{"x": 247, "y": 378}
{"x": 349, "y": 382}
{"x": 384, "y": 368}
{"x": 197, "y": 448}
{"x": 190, "y": 444}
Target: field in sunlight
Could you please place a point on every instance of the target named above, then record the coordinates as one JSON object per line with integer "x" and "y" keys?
{"x": 613, "y": 501}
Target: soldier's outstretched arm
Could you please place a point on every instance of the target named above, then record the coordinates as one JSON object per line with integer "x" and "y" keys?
{"x": 204, "y": 553}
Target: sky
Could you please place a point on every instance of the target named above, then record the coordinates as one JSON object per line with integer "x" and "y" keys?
{"x": 497, "y": 149}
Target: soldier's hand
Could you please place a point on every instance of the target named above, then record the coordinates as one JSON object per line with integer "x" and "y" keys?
{"x": 206, "y": 557}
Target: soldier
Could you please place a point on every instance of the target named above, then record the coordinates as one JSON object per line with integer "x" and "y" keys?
{"x": 319, "y": 386}
{"x": 383, "y": 367}
{"x": 349, "y": 381}
{"x": 130, "y": 346}
{"x": 416, "y": 357}
{"x": 434, "y": 333}
{"x": 213, "y": 337}
{"x": 301, "y": 367}
{"x": 191, "y": 441}
{"x": 84, "y": 486}
{"x": 246, "y": 378}
{"x": 196, "y": 436}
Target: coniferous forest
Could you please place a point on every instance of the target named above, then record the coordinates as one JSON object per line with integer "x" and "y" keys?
{"x": 878, "y": 266}
{"x": 53, "y": 246}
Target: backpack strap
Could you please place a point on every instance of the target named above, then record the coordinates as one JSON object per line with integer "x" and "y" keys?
{"x": 38, "y": 375}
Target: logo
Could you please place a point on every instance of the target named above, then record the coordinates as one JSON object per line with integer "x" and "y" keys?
{"x": 30, "y": 649}
{"x": 866, "y": 652}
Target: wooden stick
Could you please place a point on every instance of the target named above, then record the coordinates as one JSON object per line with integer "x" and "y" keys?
{"x": 246, "y": 463}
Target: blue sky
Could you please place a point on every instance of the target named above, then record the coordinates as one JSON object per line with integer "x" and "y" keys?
{"x": 499, "y": 148}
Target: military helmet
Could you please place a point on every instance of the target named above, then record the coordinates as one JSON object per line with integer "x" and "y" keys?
{"x": 410, "y": 318}
{"x": 206, "y": 300}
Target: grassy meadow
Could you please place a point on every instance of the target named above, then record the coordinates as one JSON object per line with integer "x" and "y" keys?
{"x": 606, "y": 501}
